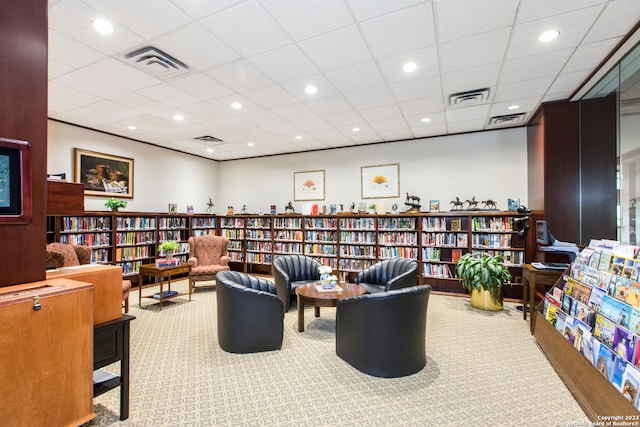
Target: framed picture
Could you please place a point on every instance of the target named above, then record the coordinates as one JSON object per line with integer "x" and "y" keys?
{"x": 308, "y": 185}
{"x": 15, "y": 182}
{"x": 103, "y": 174}
{"x": 380, "y": 181}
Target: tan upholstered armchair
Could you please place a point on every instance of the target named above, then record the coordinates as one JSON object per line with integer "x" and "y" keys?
{"x": 64, "y": 255}
{"x": 207, "y": 256}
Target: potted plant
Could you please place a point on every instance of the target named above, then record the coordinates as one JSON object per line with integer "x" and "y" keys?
{"x": 483, "y": 275}
{"x": 169, "y": 247}
{"x": 372, "y": 208}
{"x": 115, "y": 204}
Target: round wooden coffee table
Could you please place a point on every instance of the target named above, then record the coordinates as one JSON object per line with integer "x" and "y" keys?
{"x": 309, "y": 295}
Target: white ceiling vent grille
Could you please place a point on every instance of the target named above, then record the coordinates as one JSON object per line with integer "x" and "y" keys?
{"x": 469, "y": 98}
{"x": 507, "y": 120}
{"x": 208, "y": 140}
{"x": 156, "y": 62}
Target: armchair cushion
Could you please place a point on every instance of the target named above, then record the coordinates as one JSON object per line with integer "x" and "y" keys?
{"x": 384, "y": 334}
{"x": 250, "y": 314}
{"x": 388, "y": 275}
{"x": 207, "y": 257}
{"x": 64, "y": 255}
{"x": 291, "y": 271}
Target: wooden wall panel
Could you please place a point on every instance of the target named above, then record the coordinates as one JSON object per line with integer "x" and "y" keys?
{"x": 23, "y": 116}
{"x": 598, "y": 168}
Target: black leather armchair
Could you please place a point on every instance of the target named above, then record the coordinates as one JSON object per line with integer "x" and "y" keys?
{"x": 291, "y": 271}
{"x": 384, "y": 334}
{"x": 250, "y": 314}
{"x": 388, "y": 275}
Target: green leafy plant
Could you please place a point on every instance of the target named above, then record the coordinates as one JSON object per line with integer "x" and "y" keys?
{"x": 482, "y": 272}
{"x": 169, "y": 245}
{"x": 114, "y": 204}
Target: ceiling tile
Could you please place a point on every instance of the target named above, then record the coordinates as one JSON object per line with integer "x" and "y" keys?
{"x": 240, "y": 75}
{"x": 421, "y": 106}
{"x": 588, "y": 56}
{"x": 284, "y": 64}
{"x": 484, "y": 76}
{"x": 349, "y": 119}
{"x": 425, "y": 132}
{"x": 417, "y": 32}
{"x": 464, "y": 126}
{"x": 306, "y": 19}
{"x": 426, "y": 59}
{"x": 201, "y": 86}
{"x": 474, "y": 51}
{"x": 70, "y": 95}
{"x": 69, "y": 52}
{"x": 270, "y": 96}
{"x": 415, "y": 89}
{"x": 238, "y": 26}
{"x": 329, "y": 105}
{"x": 531, "y": 10}
{"x": 56, "y": 69}
{"x": 168, "y": 95}
{"x": 294, "y": 112}
{"x": 535, "y": 66}
{"x": 297, "y": 88}
{"x": 199, "y": 9}
{"x": 569, "y": 81}
{"x": 478, "y": 112}
{"x": 367, "y": 9}
{"x": 156, "y": 19}
{"x": 106, "y": 78}
{"x": 524, "y": 89}
{"x": 193, "y": 45}
{"x": 356, "y": 77}
{"x": 382, "y": 112}
{"x": 390, "y": 124}
{"x": 463, "y": 18}
{"x": 617, "y": 19}
{"x": 205, "y": 111}
{"x": 367, "y": 98}
{"x": 338, "y": 49}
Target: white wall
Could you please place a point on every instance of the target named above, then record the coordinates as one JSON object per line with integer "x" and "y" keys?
{"x": 487, "y": 165}
{"x": 161, "y": 176}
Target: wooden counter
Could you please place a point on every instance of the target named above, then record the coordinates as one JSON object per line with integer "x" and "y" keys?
{"x": 107, "y": 287}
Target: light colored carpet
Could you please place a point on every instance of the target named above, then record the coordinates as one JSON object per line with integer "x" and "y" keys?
{"x": 483, "y": 369}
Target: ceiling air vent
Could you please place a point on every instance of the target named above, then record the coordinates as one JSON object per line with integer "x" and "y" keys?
{"x": 469, "y": 98}
{"x": 507, "y": 120}
{"x": 156, "y": 62}
{"x": 208, "y": 139}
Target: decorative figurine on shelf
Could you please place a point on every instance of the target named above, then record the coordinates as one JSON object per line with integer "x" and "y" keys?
{"x": 414, "y": 202}
{"x": 341, "y": 207}
{"x": 457, "y": 204}
{"x": 210, "y": 206}
{"x": 243, "y": 211}
{"x": 472, "y": 204}
{"x": 490, "y": 204}
{"x": 352, "y": 208}
{"x": 289, "y": 208}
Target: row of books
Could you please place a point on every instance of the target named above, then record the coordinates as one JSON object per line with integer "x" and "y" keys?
{"x": 287, "y": 222}
{"x": 445, "y": 239}
{"x": 163, "y": 262}
{"x": 135, "y": 237}
{"x": 355, "y": 264}
{"x": 258, "y": 222}
{"x": 358, "y": 237}
{"x": 442, "y": 224}
{"x": 296, "y": 235}
{"x": 135, "y": 223}
{"x": 203, "y": 222}
{"x": 134, "y": 252}
{"x": 258, "y": 258}
{"x": 492, "y": 224}
{"x": 491, "y": 240}
{"x": 402, "y": 238}
{"x": 85, "y": 223}
{"x": 232, "y": 222}
{"x": 173, "y": 222}
{"x": 322, "y": 236}
{"x": 318, "y": 248}
{"x": 87, "y": 239}
{"x": 172, "y": 235}
{"x": 320, "y": 223}
{"x": 509, "y": 257}
{"x": 396, "y": 223}
{"x": 358, "y": 223}
{"x": 386, "y": 252}
{"x": 258, "y": 234}
{"x": 287, "y": 248}
{"x": 232, "y": 233}
{"x": 357, "y": 251}
{"x": 260, "y": 246}
{"x": 442, "y": 271}
{"x": 598, "y": 312}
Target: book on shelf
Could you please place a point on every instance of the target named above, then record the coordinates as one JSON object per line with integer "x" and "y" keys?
{"x": 455, "y": 224}
{"x": 166, "y": 294}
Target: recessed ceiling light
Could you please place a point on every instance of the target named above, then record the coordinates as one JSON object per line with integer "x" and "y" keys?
{"x": 356, "y": 129}
{"x": 425, "y": 119}
{"x": 131, "y": 127}
{"x": 410, "y": 67}
{"x": 209, "y": 150}
{"x": 251, "y": 144}
{"x": 513, "y": 107}
{"x": 547, "y": 36}
{"x": 311, "y": 89}
{"x": 178, "y": 118}
{"x": 298, "y": 137}
{"x": 102, "y": 26}
{"x": 236, "y": 105}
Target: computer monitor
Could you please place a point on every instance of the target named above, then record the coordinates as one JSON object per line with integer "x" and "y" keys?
{"x": 541, "y": 232}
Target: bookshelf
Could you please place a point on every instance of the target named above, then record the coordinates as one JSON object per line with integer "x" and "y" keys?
{"x": 347, "y": 243}
{"x": 321, "y": 239}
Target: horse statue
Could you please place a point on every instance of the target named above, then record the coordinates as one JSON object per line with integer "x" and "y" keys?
{"x": 490, "y": 204}
{"x": 414, "y": 202}
{"x": 457, "y": 204}
{"x": 472, "y": 204}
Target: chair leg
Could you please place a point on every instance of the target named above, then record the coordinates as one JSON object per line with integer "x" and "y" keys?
{"x": 126, "y": 305}
{"x": 190, "y": 287}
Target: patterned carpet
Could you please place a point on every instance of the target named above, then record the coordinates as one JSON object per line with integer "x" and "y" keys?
{"x": 483, "y": 369}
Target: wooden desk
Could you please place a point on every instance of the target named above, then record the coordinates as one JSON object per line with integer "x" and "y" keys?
{"x": 161, "y": 273}
{"x": 531, "y": 277}
{"x": 110, "y": 344}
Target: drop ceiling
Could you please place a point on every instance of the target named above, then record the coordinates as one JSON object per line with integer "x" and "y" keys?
{"x": 263, "y": 54}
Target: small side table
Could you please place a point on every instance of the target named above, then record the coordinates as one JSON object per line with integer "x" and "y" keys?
{"x": 110, "y": 344}
{"x": 532, "y": 277}
{"x": 161, "y": 273}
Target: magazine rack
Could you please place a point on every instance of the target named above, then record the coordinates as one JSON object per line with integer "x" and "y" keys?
{"x": 593, "y": 392}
